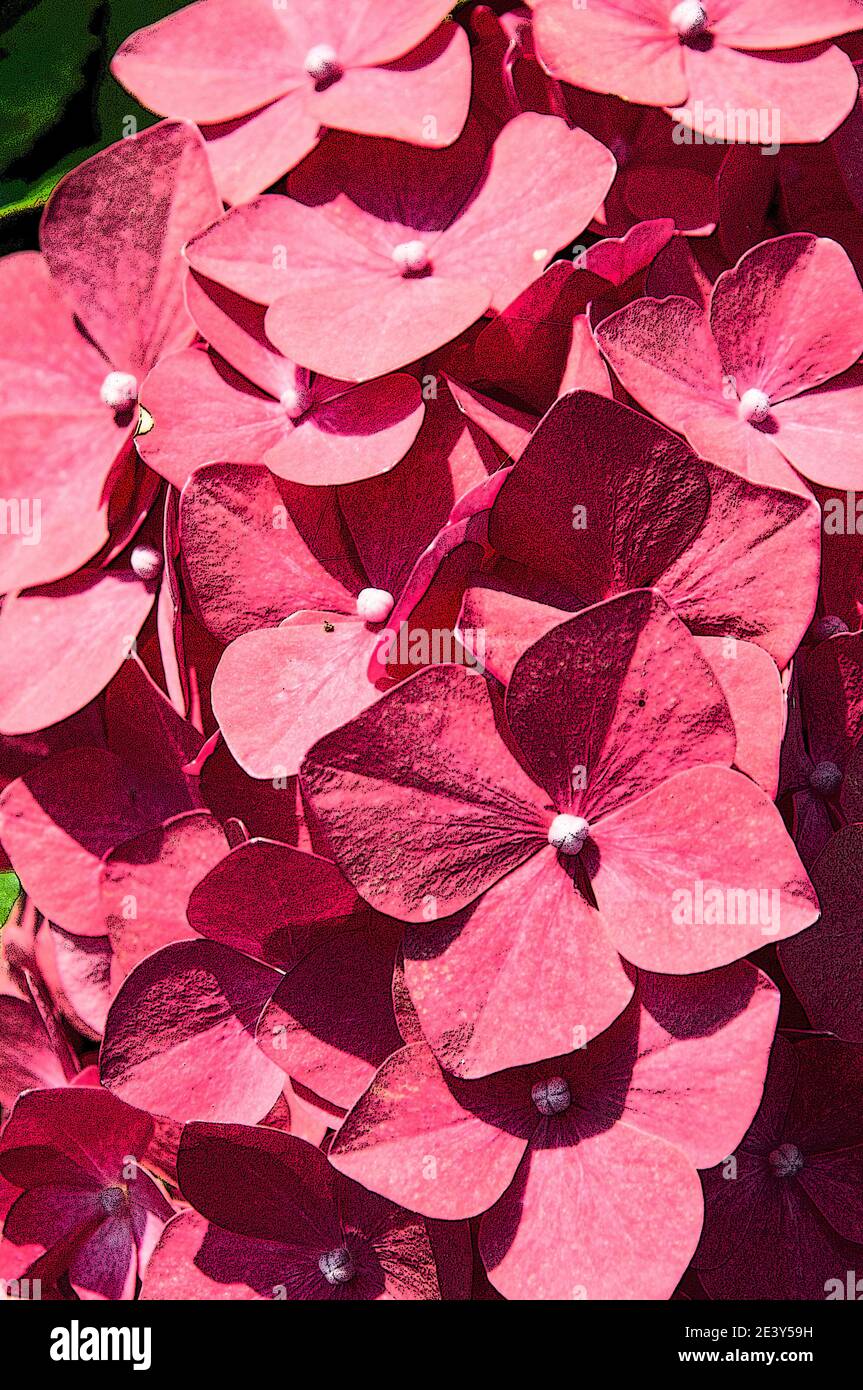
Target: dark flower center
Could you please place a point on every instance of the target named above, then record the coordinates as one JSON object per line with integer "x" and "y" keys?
{"x": 551, "y": 1097}
{"x": 786, "y": 1160}
{"x": 336, "y": 1266}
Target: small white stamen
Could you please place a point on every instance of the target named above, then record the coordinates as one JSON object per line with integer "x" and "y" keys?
{"x": 374, "y": 605}
{"x": 411, "y": 257}
{"x": 825, "y": 779}
{"x": 689, "y": 18}
{"x": 336, "y": 1266}
{"x": 786, "y": 1160}
{"x": 322, "y": 63}
{"x": 541, "y": 253}
{"x": 146, "y": 561}
{"x": 568, "y": 833}
{"x": 551, "y": 1097}
{"x": 294, "y": 401}
{"x": 754, "y": 406}
{"x": 119, "y": 390}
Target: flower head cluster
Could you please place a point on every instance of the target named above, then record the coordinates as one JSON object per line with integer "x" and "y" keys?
{"x": 431, "y": 662}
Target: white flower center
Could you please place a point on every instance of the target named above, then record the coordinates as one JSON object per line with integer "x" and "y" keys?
{"x": 825, "y": 779}
{"x": 551, "y": 1097}
{"x": 689, "y": 18}
{"x": 322, "y": 63}
{"x": 786, "y": 1160}
{"x": 294, "y": 401}
{"x": 374, "y": 605}
{"x": 119, "y": 390}
{"x": 411, "y": 257}
{"x": 146, "y": 561}
{"x": 336, "y": 1266}
{"x": 568, "y": 833}
{"x": 754, "y": 406}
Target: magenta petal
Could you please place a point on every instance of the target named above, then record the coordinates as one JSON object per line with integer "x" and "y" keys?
{"x": 179, "y": 1040}
{"x": 422, "y": 779}
{"x": 817, "y": 962}
{"x": 410, "y": 1139}
{"x": 58, "y": 821}
{"x": 626, "y": 698}
{"x": 330, "y": 1023}
{"x": 259, "y": 550}
{"x": 528, "y": 972}
{"x": 678, "y": 869}
{"x": 112, "y": 233}
{"x": 624, "y": 1211}
{"x": 270, "y": 901}
{"x": 81, "y": 1134}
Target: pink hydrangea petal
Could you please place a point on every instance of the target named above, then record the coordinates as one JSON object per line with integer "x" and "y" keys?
{"x": 60, "y": 645}
{"x": 665, "y": 356}
{"x": 692, "y": 852}
{"x": 410, "y": 1124}
{"x": 249, "y": 153}
{"x": 626, "y": 1212}
{"x": 366, "y": 323}
{"x": 186, "y": 65}
{"x": 802, "y": 305}
{"x": 194, "y": 1260}
{"x": 310, "y": 675}
{"x": 783, "y": 24}
{"x": 627, "y": 48}
{"x": 204, "y": 412}
{"x": 145, "y": 884}
{"x": 395, "y": 100}
{"x": 426, "y": 757}
{"x": 625, "y": 699}
{"x": 374, "y": 31}
{"x": 51, "y": 376}
{"x": 523, "y": 975}
{"x": 751, "y": 684}
{"x": 811, "y": 90}
{"x": 234, "y": 328}
{"x": 262, "y": 249}
{"x": 352, "y": 437}
{"x": 703, "y": 1045}
{"x": 561, "y": 175}
{"x": 817, "y": 432}
{"x": 117, "y": 260}
{"x": 192, "y": 1063}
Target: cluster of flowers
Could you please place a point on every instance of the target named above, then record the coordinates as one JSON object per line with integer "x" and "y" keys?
{"x": 431, "y": 662}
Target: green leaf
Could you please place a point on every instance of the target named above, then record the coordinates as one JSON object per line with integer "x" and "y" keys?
{"x": 9, "y": 890}
{"x": 42, "y": 66}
